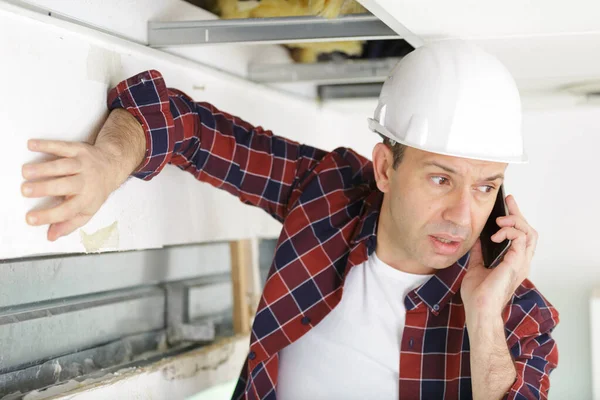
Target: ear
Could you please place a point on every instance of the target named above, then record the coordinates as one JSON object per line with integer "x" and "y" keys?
{"x": 383, "y": 163}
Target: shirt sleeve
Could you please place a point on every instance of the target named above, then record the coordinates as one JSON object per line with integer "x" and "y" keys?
{"x": 255, "y": 165}
{"x": 535, "y": 356}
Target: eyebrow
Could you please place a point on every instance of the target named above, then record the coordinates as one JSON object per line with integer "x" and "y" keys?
{"x": 452, "y": 171}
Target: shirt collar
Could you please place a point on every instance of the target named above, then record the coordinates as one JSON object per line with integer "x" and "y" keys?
{"x": 369, "y": 216}
{"x": 439, "y": 289}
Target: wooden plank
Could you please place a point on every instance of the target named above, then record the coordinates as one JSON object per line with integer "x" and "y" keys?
{"x": 241, "y": 262}
{"x": 254, "y": 282}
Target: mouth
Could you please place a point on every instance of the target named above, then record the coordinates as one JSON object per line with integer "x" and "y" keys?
{"x": 445, "y": 245}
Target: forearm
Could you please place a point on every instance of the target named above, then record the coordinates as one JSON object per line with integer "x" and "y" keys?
{"x": 122, "y": 138}
{"x": 492, "y": 368}
{"x": 223, "y": 150}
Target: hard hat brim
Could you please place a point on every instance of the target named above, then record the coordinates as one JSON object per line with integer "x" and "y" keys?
{"x": 382, "y": 130}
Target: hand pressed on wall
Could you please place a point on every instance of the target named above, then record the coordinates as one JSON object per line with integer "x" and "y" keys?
{"x": 84, "y": 175}
{"x": 81, "y": 174}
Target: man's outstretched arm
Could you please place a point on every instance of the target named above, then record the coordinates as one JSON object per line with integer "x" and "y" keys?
{"x": 164, "y": 126}
{"x": 223, "y": 150}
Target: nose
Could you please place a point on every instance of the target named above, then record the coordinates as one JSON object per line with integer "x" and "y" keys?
{"x": 458, "y": 210}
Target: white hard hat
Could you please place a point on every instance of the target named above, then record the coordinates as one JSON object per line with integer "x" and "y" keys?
{"x": 451, "y": 97}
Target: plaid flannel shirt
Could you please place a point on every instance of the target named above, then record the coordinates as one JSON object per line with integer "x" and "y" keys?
{"x": 329, "y": 205}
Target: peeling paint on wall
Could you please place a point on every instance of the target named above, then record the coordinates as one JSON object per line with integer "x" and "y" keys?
{"x": 104, "y": 238}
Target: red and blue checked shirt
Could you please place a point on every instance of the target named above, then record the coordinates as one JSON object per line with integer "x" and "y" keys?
{"x": 329, "y": 205}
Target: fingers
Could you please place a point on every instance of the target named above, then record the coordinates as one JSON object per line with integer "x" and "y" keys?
{"x": 518, "y": 254}
{"x": 67, "y": 227}
{"x": 57, "y": 147}
{"x": 63, "y": 212}
{"x": 54, "y": 187}
{"x": 513, "y": 208}
{"x": 509, "y": 233}
{"x": 514, "y": 221}
{"x": 60, "y": 167}
{"x": 518, "y": 238}
{"x": 522, "y": 225}
{"x": 76, "y": 175}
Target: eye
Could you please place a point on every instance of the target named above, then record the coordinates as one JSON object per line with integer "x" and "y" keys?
{"x": 486, "y": 189}
{"x": 439, "y": 180}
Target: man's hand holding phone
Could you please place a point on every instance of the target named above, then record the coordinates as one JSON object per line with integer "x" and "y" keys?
{"x": 486, "y": 290}
{"x": 493, "y": 252}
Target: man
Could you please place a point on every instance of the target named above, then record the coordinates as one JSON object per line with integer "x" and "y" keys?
{"x": 377, "y": 288}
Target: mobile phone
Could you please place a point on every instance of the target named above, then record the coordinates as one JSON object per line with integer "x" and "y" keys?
{"x": 493, "y": 252}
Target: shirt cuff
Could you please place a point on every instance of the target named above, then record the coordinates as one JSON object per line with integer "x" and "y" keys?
{"x": 146, "y": 97}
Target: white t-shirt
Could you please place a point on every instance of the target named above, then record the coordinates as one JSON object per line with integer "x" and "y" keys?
{"x": 354, "y": 352}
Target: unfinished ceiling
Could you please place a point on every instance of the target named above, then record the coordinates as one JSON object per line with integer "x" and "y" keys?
{"x": 552, "y": 48}
{"x": 336, "y": 48}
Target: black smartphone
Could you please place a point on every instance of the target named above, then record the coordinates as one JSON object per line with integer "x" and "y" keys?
{"x": 494, "y": 252}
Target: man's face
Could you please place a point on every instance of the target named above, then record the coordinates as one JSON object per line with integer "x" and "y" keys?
{"x": 434, "y": 206}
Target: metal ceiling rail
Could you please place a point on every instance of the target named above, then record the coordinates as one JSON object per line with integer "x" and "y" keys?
{"x": 269, "y": 30}
{"x": 371, "y": 70}
{"x": 349, "y": 91}
{"x": 50, "y": 308}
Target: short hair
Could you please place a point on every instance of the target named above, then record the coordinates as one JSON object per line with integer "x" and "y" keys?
{"x": 397, "y": 148}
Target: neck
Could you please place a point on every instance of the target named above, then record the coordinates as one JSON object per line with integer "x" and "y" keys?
{"x": 387, "y": 249}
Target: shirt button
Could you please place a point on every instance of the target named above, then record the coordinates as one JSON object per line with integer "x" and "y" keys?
{"x": 436, "y": 307}
{"x": 305, "y": 321}
{"x": 411, "y": 343}
{"x": 252, "y": 355}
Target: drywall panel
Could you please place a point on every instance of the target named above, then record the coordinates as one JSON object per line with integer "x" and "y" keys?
{"x": 509, "y": 18}
{"x": 58, "y": 75}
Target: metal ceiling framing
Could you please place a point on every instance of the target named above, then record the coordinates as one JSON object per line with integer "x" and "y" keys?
{"x": 349, "y": 91}
{"x": 354, "y": 72}
{"x": 375, "y": 70}
{"x": 269, "y": 30}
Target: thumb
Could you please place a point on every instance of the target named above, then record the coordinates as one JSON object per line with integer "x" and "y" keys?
{"x": 476, "y": 257}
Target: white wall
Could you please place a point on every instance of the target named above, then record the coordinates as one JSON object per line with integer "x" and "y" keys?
{"x": 558, "y": 193}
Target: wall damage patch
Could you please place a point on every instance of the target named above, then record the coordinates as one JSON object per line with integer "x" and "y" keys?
{"x": 104, "y": 238}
